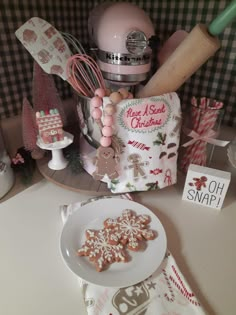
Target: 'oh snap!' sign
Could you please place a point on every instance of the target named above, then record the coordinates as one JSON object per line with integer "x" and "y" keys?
{"x": 206, "y": 186}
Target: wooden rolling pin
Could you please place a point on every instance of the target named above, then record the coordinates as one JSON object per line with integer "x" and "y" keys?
{"x": 198, "y": 46}
{"x": 170, "y": 45}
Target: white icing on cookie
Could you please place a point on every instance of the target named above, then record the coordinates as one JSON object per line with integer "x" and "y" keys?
{"x": 130, "y": 229}
{"x": 99, "y": 250}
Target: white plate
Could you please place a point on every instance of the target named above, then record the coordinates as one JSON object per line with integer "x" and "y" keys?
{"x": 91, "y": 216}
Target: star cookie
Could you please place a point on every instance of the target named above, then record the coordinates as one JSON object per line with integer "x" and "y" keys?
{"x": 99, "y": 250}
{"x": 130, "y": 229}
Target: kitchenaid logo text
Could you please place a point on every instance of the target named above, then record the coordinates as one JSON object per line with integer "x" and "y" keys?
{"x": 123, "y": 59}
{"x": 145, "y": 116}
{"x": 120, "y": 57}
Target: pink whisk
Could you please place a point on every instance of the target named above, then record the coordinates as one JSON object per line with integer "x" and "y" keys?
{"x": 84, "y": 74}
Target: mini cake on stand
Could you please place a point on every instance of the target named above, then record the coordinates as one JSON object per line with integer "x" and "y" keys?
{"x": 52, "y": 137}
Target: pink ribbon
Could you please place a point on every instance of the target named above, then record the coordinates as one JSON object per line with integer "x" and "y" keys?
{"x": 208, "y": 137}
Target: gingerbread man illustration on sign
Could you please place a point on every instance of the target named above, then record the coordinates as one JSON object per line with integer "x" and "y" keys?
{"x": 105, "y": 163}
{"x": 199, "y": 182}
{"x": 137, "y": 166}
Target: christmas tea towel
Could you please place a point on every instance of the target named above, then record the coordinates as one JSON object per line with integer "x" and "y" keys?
{"x": 147, "y": 131}
{"x": 166, "y": 292}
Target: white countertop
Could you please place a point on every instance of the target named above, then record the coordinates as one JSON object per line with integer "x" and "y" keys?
{"x": 35, "y": 280}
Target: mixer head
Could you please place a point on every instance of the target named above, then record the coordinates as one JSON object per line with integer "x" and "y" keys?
{"x": 122, "y": 33}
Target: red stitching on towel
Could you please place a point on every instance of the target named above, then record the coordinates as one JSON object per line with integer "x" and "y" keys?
{"x": 172, "y": 298}
{"x": 182, "y": 287}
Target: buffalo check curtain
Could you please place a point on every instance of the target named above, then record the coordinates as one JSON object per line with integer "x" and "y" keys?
{"x": 215, "y": 79}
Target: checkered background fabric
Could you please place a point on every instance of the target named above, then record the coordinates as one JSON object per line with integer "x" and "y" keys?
{"x": 216, "y": 79}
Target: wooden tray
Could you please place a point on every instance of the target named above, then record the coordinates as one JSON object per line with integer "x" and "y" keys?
{"x": 83, "y": 182}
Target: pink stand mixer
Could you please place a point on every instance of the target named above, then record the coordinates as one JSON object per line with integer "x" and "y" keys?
{"x": 122, "y": 34}
{"x": 122, "y": 37}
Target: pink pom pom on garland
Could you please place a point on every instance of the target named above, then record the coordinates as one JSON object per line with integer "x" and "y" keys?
{"x": 100, "y": 92}
{"x": 123, "y": 92}
{"x": 130, "y": 95}
{"x": 108, "y": 120}
{"x": 97, "y": 113}
{"x": 116, "y": 97}
{"x": 105, "y": 141}
{"x": 110, "y": 109}
{"x": 107, "y": 131}
{"x": 96, "y": 101}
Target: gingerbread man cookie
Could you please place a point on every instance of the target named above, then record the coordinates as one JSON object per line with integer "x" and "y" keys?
{"x": 106, "y": 163}
{"x": 99, "y": 250}
{"x": 130, "y": 229}
{"x": 137, "y": 166}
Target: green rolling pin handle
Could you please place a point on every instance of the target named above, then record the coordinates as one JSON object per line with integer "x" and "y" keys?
{"x": 221, "y": 21}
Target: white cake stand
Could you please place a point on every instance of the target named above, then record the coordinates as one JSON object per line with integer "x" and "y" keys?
{"x": 58, "y": 162}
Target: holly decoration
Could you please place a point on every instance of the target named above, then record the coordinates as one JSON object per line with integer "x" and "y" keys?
{"x": 114, "y": 182}
{"x": 161, "y": 139}
{"x": 130, "y": 187}
{"x": 152, "y": 186}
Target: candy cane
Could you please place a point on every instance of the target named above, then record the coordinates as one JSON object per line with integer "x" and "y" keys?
{"x": 139, "y": 145}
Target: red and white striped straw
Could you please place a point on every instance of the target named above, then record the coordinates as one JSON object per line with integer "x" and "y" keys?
{"x": 203, "y": 119}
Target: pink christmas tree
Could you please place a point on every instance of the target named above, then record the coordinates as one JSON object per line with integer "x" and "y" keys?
{"x": 30, "y": 130}
{"x": 45, "y": 94}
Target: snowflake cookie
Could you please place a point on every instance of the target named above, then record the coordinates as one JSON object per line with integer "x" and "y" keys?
{"x": 130, "y": 229}
{"x": 99, "y": 250}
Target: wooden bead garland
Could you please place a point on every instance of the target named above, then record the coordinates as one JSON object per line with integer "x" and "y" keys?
{"x": 110, "y": 109}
